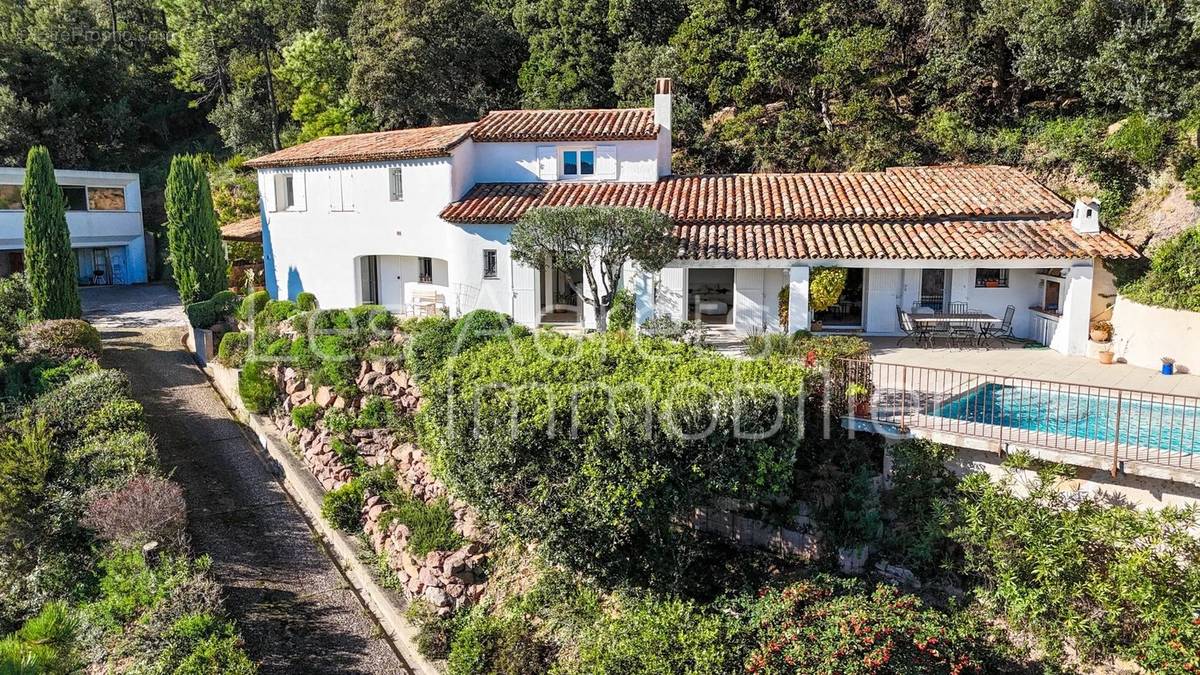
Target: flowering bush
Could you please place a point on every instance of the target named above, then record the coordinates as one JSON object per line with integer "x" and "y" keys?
{"x": 831, "y": 625}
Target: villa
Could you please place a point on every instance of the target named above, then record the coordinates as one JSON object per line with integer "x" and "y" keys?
{"x": 104, "y": 216}
{"x": 419, "y": 220}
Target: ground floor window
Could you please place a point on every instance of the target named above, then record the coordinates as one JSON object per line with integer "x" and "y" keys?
{"x": 710, "y": 295}
{"x": 425, "y": 270}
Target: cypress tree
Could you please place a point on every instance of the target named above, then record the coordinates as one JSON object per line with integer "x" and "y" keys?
{"x": 197, "y": 255}
{"x": 50, "y": 262}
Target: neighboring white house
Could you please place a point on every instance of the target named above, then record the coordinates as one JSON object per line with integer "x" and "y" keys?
{"x": 104, "y": 215}
{"x": 403, "y": 218}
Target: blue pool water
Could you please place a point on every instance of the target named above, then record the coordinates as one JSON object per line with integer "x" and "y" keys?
{"x": 1145, "y": 423}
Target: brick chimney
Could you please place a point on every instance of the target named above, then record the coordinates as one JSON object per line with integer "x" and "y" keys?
{"x": 662, "y": 117}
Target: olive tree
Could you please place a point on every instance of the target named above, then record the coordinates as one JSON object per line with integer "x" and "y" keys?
{"x": 598, "y": 239}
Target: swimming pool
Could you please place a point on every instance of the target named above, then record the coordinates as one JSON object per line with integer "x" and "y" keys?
{"x": 1144, "y": 422}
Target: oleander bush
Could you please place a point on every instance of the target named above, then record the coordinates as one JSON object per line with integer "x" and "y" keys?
{"x": 233, "y": 349}
{"x": 257, "y": 387}
{"x": 532, "y": 444}
{"x": 62, "y": 339}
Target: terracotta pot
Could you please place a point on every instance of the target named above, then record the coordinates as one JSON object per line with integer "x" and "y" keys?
{"x": 862, "y": 409}
{"x": 1106, "y": 357}
{"x": 1099, "y": 335}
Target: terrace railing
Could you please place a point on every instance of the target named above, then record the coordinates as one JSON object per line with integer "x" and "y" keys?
{"x": 1118, "y": 425}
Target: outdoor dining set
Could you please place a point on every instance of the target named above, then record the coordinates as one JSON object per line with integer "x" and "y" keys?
{"x": 960, "y": 324}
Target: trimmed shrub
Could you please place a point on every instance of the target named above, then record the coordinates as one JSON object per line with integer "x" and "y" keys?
{"x": 62, "y": 339}
{"x": 603, "y": 497}
{"x": 253, "y": 304}
{"x": 225, "y": 304}
{"x": 146, "y": 508}
{"x": 101, "y": 460}
{"x": 256, "y": 386}
{"x": 342, "y": 507}
{"x": 480, "y": 326}
{"x": 620, "y": 316}
{"x": 305, "y": 416}
{"x": 275, "y": 312}
{"x": 201, "y": 314}
{"x": 306, "y": 301}
{"x": 233, "y": 349}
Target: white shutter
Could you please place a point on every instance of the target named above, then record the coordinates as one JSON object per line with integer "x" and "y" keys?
{"x": 547, "y": 159}
{"x": 335, "y": 191}
{"x": 300, "y": 192}
{"x": 277, "y": 187}
{"x": 347, "y": 190}
{"x": 269, "y": 189}
{"x": 606, "y": 161}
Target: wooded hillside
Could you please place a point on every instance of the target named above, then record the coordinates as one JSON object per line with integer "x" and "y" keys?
{"x": 1101, "y": 96}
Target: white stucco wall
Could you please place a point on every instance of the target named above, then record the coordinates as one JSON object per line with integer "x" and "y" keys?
{"x": 89, "y": 229}
{"x": 1142, "y": 335}
{"x": 637, "y": 161}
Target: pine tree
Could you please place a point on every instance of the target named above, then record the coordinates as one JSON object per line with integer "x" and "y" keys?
{"x": 197, "y": 255}
{"x": 50, "y": 262}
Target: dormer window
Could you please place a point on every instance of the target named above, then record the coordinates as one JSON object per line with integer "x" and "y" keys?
{"x": 578, "y": 162}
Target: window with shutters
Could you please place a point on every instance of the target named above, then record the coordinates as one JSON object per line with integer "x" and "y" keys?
{"x": 578, "y": 162}
{"x": 285, "y": 191}
{"x": 396, "y": 178}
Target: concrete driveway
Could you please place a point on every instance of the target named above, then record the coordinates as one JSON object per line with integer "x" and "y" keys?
{"x": 143, "y": 306}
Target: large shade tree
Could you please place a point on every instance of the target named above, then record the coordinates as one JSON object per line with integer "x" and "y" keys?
{"x": 598, "y": 239}
{"x": 49, "y": 260}
{"x": 197, "y": 256}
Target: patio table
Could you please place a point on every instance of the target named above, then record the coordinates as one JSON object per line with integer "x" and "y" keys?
{"x": 977, "y": 319}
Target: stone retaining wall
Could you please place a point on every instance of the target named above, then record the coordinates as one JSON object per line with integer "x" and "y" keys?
{"x": 448, "y": 580}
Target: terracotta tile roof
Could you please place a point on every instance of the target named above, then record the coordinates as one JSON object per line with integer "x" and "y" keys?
{"x": 374, "y": 147}
{"x": 616, "y": 124}
{"x": 917, "y": 192}
{"x": 908, "y": 212}
{"x": 248, "y": 229}
{"x": 945, "y": 239}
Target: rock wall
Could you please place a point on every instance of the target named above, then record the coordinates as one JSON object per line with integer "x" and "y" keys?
{"x": 448, "y": 580}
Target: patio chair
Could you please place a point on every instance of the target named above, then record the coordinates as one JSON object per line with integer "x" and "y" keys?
{"x": 962, "y": 330}
{"x": 932, "y": 330}
{"x": 1000, "y": 331}
{"x": 912, "y": 330}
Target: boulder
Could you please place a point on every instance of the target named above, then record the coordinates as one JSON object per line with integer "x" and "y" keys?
{"x": 455, "y": 590}
{"x": 438, "y": 597}
{"x": 324, "y": 396}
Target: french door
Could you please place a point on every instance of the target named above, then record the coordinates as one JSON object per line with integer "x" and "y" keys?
{"x": 933, "y": 289}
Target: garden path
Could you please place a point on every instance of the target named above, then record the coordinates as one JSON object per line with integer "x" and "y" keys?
{"x": 296, "y": 611}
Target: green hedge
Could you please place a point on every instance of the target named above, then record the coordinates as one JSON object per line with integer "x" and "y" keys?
{"x": 233, "y": 349}
{"x": 257, "y": 387}
{"x": 523, "y": 432}
{"x": 253, "y": 304}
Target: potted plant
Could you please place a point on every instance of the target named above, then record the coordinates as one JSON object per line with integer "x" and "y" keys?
{"x": 860, "y": 397}
{"x": 1101, "y": 331}
{"x": 1106, "y": 354}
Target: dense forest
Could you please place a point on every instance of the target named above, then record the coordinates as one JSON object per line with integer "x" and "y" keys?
{"x": 1099, "y": 95}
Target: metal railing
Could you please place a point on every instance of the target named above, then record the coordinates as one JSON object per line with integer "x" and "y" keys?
{"x": 1118, "y": 425}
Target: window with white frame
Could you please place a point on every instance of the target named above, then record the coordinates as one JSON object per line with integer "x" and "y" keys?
{"x": 425, "y": 270}
{"x": 578, "y": 161}
{"x": 491, "y": 270}
{"x": 285, "y": 191}
{"x": 396, "y": 181}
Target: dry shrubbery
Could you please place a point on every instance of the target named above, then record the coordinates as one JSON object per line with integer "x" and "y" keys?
{"x": 147, "y": 508}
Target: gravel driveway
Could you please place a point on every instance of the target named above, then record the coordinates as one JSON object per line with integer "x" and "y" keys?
{"x": 297, "y": 612}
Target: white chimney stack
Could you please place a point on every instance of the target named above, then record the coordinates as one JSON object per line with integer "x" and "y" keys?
{"x": 1086, "y": 217}
{"x": 662, "y": 117}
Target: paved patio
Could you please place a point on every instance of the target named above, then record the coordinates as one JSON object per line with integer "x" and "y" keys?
{"x": 1034, "y": 362}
